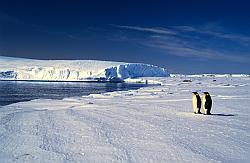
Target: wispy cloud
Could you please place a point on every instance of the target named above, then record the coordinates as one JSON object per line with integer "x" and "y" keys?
{"x": 213, "y": 32}
{"x": 188, "y": 50}
{"x": 187, "y": 41}
{"x": 180, "y": 30}
{"x": 156, "y": 30}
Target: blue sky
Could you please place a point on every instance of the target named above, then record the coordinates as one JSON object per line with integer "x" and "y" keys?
{"x": 185, "y": 36}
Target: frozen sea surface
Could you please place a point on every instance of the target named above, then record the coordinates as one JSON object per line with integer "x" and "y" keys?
{"x": 152, "y": 124}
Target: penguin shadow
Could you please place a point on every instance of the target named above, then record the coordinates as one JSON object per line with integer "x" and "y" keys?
{"x": 223, "y": 115}
{"x": 218, "y": 114}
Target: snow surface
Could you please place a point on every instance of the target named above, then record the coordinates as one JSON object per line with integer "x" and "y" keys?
{"x": 152, "y": 124}
{"x": 211, "y": 75}
{"x": 74, "y": 70}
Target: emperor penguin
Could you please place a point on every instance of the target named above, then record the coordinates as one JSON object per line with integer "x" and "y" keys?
{"x": 196, "y": 103}
{"x": 206, "y": 103}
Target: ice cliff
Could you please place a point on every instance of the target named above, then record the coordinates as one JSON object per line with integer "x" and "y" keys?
{"x": 75, "y": 70}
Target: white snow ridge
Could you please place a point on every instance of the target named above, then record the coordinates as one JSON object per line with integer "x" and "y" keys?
{"x": 75, "y": 70}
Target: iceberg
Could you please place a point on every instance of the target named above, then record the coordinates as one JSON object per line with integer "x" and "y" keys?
{"x": 75, "y": 70}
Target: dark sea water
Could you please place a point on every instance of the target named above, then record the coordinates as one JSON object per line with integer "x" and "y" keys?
{"x": 17, "y": 91}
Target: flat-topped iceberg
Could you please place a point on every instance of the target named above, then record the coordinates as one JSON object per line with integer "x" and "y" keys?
{"x": 75, "y": 70}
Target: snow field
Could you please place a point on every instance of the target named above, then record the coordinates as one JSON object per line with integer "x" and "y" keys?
{"x": 152, "y": 124}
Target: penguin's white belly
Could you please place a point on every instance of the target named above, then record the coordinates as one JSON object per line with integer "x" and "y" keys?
{"x": 203, "y": 104}
{"x": 195, "y": 107}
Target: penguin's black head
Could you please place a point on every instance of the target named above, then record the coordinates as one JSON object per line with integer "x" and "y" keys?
{"x": 195, "y": 93}
{"x": 206, "y": 93}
